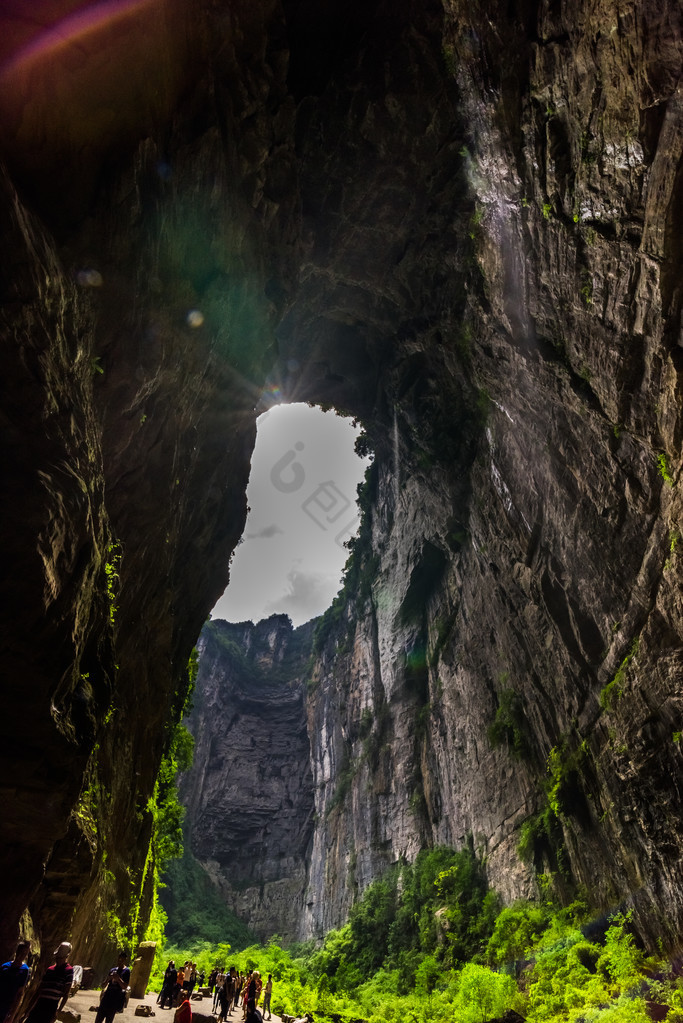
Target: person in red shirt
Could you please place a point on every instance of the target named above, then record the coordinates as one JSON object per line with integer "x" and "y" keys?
{"x": 183, "y": 1013}
{"x": 54, "y": 988}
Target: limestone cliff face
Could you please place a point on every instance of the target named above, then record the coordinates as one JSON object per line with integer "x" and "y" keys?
{"x": 57, "y": 647}
{"x": 456, "y": 221}
{"x": 128, "y": 424}
{"x": 532, "y": 561}
{"x": 523, "y": 564}
{"x": 249, "y": 794}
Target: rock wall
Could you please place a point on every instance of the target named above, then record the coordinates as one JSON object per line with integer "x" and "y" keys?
{"x": 524, "y": 532}
{"x": 456, "y": 221}
{"x": 128, "y": 422}
{"x": 249, "y": 794}
{"x": 57, "y": 648}
{"x": 519, "y": 642}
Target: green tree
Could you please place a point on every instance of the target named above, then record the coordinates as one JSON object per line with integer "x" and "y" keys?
{"x": 564, "y": 976}
{"x": 621, "y": 959}
{"x": 370, "y": 921}
{"x": 516, "y": 930}
{"x": 470, "y": 908}
{"x": 335, "y": 960}
{"x": 483, "y": 994}
{"x": 427, "y": 976}
{"x": 323, "y": 993}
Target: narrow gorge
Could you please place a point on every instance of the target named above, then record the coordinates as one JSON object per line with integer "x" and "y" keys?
{"x": 460, "y": 224}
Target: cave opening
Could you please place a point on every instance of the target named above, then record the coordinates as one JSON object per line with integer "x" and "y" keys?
{"x": 303, "y": 509}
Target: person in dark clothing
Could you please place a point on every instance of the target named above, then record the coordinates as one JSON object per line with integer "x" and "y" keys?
{"x": 268, "y": 991}
{"x": 253, "y": 1014}
{"x": 169, "y": 985}
{"x": 164, "y": 982}
{"x": 13, "y": 978}
{"x": 114, "y": 994}
{"x": 232, "y": 1004}
{"x": 54, "y": 988}
{"x": 223, "y": 1000}
{"x": 229, "y": 985}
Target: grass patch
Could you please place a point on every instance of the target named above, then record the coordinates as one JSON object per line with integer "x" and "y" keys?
{"x": 510, "y": 727}
{"x": 614, "y": 689}
{"x": 664, "y": 469}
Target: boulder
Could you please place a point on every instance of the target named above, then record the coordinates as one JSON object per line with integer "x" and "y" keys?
{"x": 68, "y": 1016}
{"x": 142, "y": 968}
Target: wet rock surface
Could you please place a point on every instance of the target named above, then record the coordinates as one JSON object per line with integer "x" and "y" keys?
{"x": 250, "y": 793}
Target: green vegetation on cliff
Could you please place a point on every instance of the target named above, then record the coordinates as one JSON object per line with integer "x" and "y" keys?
{"x": 195, "y": 912}
{"x": 361, "y": 565}
{"x": 164, "y": 807}
{"x": 246, "y": 667}
{"x": 128, "y": 899}
{"x": 427, "y": 941}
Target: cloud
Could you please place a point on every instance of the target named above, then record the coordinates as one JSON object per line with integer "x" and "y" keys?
{"x": 307, "y": 592}
{"x": 297, "y": 568}
{"x": 264, "y": 534}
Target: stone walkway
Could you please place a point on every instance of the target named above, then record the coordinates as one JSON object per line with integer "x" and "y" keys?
{"x": 83, "y": 1000}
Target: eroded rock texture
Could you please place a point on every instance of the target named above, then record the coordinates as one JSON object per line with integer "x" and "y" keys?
{"x": 250, "y": 792}
{"x": 527, "y": 561}
{"x": 128, "y": 428}
{"x": 459, "y": 222}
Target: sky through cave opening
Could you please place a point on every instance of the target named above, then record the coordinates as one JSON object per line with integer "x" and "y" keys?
{"x": 302, "y": 509}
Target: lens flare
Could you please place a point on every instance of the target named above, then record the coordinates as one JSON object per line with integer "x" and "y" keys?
{"x": 89, "y": 278}
{"x": 72, "y": 30}
{"x": 195, "y": 318}
{"x": 271, "y": 395}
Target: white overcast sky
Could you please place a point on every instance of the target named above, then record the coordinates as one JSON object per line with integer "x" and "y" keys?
{"x": 302, "y": 499}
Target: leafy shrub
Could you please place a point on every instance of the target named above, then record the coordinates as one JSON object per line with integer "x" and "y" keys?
{"x": 615, "y": 688}
{"x": 483, "y": 994}
{"x": 389, "y": 964}
{"x": 510, "y": 726}
{"x": 620, "y": 959}
{"x": 517, "y": 929}
{"x": 427, "y": 976}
